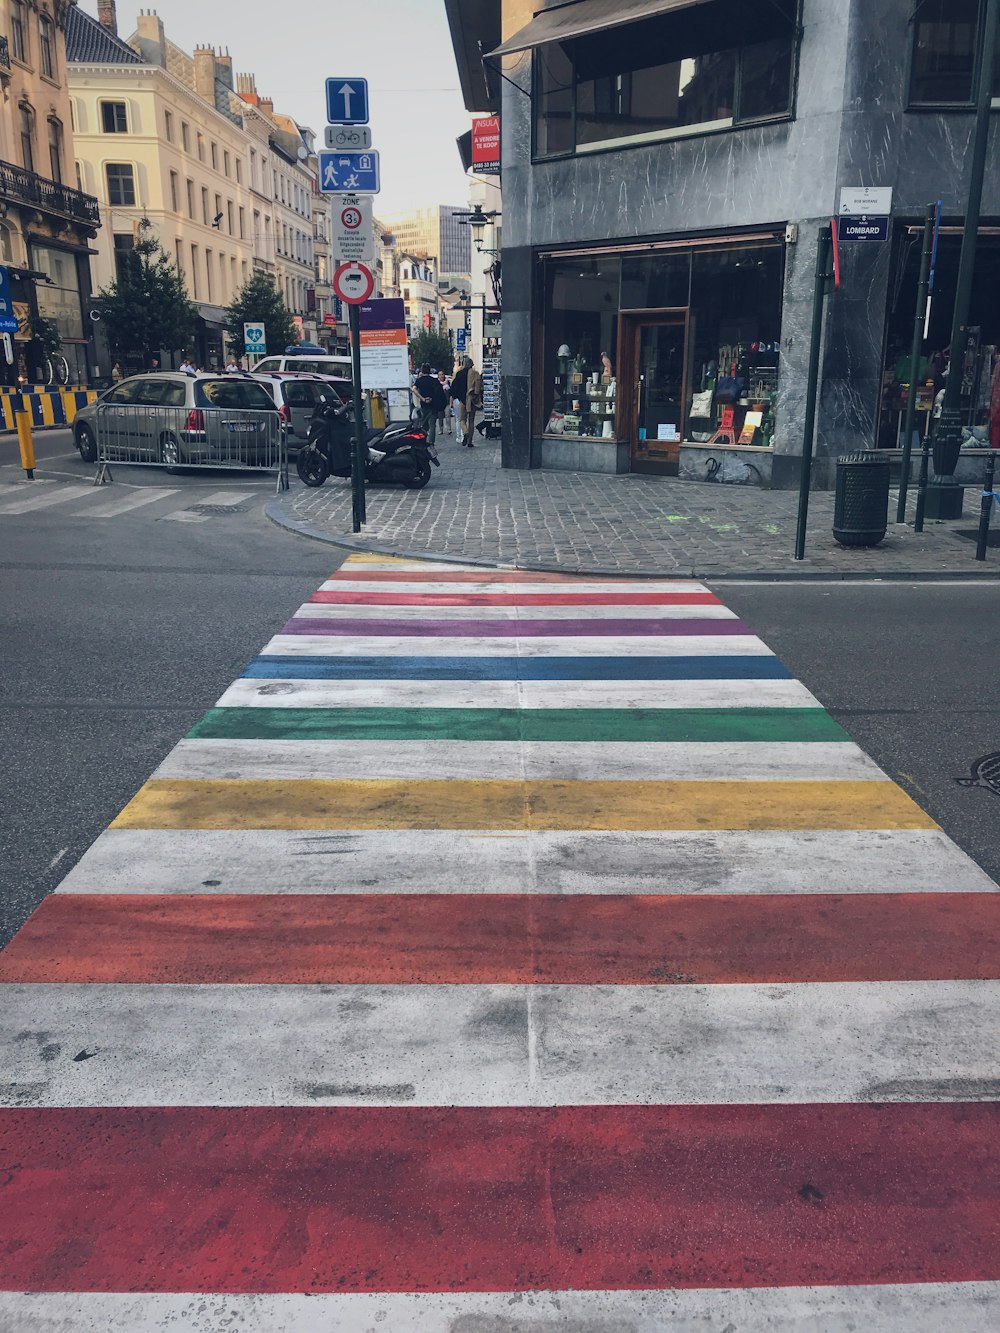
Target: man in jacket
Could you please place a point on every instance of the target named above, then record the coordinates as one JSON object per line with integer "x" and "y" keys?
{"x": 432, "y": 399}
{"x": 470, "y": 384}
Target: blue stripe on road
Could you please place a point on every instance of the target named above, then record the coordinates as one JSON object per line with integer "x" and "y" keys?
{"x": 517, "y": 668}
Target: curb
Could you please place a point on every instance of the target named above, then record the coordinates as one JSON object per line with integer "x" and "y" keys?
{"x": 368, "y": 545}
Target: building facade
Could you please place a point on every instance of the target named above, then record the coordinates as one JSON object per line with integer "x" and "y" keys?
{"x": 47, "y": 226}
{"x": 417, "y": 279}
{"x": 666, "y": 172}
{"x": 437, "y": 233}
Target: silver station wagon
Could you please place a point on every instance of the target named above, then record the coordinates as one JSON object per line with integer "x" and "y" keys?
{"x": 172, "y": 419}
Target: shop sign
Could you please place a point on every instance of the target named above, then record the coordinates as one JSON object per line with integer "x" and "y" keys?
{"x": 486, "y": 145}
{"x": 866, "y": 200}
{"x": 385, "y": 361}
{"x": 329, "y": 321}
{"x": 8, "y": 320}
{"x": 864, "y": 227}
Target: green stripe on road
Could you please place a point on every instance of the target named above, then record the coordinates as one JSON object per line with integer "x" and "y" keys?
{"x": 511, "y": 724}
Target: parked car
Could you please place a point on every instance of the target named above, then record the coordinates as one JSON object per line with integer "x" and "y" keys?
{"x": 297, "y": 396}
{"x": 173, "y": 419}
{"x": 314, "y": 365}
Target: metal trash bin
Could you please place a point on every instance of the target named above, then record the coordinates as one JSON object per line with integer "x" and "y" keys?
{"x": 861, "y": 501}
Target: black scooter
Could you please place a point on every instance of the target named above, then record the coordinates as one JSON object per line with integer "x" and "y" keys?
{"x": 398, "y": 453}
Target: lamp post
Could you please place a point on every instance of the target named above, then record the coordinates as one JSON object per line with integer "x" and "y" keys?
{"x": 944, "y": 495}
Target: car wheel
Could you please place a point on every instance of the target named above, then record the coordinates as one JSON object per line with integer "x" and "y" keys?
{"x": 312, "y": 467}
{"x": 86, "y": 443}
{"x": 418, "y": 479}
{"x": 170, "y": 453}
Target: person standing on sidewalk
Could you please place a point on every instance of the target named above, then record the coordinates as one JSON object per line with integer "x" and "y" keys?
{"x": 459, "y": 385}
{"x": 444, "y": 416}
{"x": 428, "y": 393}
{"x": 473, "y": 401}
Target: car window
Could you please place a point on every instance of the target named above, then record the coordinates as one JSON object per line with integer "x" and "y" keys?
{"x": 174, "y": 395}
{"x": 303, "y": 394}
{"x": 233, "y": 393}
{"x": 269, "y": 363}
{"x": 150, "y": 392}
{"x": 124, "y": 392}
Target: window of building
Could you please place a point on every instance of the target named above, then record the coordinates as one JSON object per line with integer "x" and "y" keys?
{"x": 194, "y": 272}
{"x": 222, "y": 276}
{"x": 179, "y": 254}
{"x": 218, "y": 211}
{"x": 6, "y": 249}
{"x": 201, "y": 148}
{"x": 121, "y": 184}
{"x": 225, "y": 161}
{"x": 243, "y": 271}
{"x": 214, "y": 150}
{"x": 124, "y": 246}
{"x": 243, "y": 223}
{"x": 46, "y": 47}
{"x": 185, "y": 137}
{"x": 175, "y": 192}
{"x": 114, "y": 118}
{"x": 229, "y": 216}
{"x": 204, "y": 206}
{"x": 27, "y": 119}
{"x": 208, "y": 273}
{"x": 18, "y": 45}
{"x": 168, "y": 125}
{"x": 55, "y": 149}
{"x": 59, "y": 298}
{"x": 706, "y": 68}
{"x": 232, "y": 273}
{"x": 946, "y": 38}
{"x": 239, "y": 171}
{"x": 79, "y": 176}
{"x": 406, "y": 293}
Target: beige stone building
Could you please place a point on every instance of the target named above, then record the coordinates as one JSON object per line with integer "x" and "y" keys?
{"x": 47, "y": 226}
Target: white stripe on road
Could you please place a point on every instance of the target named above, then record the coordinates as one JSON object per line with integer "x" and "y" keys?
{"x": 129, "y": 500}
{"x": 430, "y": 587}
{"x": 715, "y": 761}
{"x": 485, "y": 861}
{"x": 889, "y": 1308}
{"x": 622, "y": 694}
{"x": 476, "y": 1045}
{"x": 371, "y": 611}
{"x": 596, "y": 645}
{"x": 27, "y": 498}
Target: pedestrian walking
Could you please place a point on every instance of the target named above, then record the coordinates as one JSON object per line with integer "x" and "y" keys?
{"x": 473, "y": 401}
{"x": 459, "y": 385}
{"x": 432, "y": 400}
{"x": 187, "y": 367}
{"x": 116, "y": 373}
{"x": 444, "y": 418}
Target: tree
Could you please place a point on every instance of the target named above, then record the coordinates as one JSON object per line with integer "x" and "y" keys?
{"x": 432, "y": 349}
{"x": 146, "y": 309}
{"x": 259, "y": 302}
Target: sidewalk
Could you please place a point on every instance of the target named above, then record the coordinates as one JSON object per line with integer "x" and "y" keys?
{"x": 473, "y": 510}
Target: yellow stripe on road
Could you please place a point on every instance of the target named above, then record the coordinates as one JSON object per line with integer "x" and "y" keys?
{"x": 322, "y": 804}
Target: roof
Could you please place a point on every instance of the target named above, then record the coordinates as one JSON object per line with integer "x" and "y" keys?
{"x": 91, "y": 43}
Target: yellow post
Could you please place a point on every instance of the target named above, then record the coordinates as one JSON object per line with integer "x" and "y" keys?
{"x": 25, "y": 443}
{"x": 377, "y": 411}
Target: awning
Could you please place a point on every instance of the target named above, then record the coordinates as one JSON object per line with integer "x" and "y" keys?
{"x": 579, "y": 18}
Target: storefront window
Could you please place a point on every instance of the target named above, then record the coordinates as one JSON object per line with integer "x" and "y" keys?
{"x": 59, "y": 298}
{"x": 694, "y": 330}
{"x": 706, "y": 68}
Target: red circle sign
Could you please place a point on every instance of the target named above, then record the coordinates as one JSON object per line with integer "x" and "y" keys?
{"x": 353, "y": 283}
{"x": 351, "y": 218}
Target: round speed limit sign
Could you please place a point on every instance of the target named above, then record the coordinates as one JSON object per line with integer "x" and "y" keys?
{"x": 352, "y": 218}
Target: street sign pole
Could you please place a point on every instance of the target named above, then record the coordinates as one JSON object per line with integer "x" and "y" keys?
{"x": 918, "y": 341}
{"x": 823, "y": 277}
{"x": 358, "y": 461}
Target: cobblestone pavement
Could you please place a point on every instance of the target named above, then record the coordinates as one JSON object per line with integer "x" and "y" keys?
{"x": 474, "y": 510}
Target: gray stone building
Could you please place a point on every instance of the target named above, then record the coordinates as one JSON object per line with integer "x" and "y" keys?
{"x": 667, "y": 165}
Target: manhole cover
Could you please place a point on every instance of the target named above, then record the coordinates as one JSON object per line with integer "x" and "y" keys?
{"x": 972, "y": 534}
{"x": 985, "y": 773}
{"x": 216, "y": 509}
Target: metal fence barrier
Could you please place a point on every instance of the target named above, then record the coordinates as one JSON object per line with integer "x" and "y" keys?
{"x": 201, "y": 437}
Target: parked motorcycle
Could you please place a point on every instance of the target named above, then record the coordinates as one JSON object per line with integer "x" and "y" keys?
{"x": 398, "y": 453}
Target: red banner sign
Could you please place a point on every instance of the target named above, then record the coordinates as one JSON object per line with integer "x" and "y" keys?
{"x": 486, "y": 145}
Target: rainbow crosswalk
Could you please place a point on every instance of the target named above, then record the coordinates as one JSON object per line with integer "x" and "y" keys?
{"x": 507, "y": 952}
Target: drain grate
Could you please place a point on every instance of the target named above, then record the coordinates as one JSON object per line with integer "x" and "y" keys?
{"x": 972, "y": 534}
{"x": 985, "y": 773}
{"x": 217, "y": 509}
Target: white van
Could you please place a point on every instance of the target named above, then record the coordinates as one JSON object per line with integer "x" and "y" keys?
{"x": 340, "y": 366}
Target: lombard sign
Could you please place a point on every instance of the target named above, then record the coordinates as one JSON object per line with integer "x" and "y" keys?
{"x": 8, "y": 319}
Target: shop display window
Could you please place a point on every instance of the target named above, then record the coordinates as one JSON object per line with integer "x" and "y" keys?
{"x": 718, "y": 307}
{"x": 706, "y": 68}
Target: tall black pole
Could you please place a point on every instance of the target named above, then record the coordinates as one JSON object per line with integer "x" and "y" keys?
{"x": 948, "y": 435}
{"x": 918, "y": 342}
{"x": 823, "y": 276}
{"x": 360, "y": 452}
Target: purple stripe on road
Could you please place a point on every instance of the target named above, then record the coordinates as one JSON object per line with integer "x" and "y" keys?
{"x": 510, "y": 629}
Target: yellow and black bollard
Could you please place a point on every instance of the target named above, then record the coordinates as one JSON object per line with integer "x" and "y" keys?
{"x": 25, "y": 442}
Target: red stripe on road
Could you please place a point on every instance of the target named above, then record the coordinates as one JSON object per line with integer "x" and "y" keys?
{"x": 282, "y": 1199}
{"x": 515, "y": 599}
{"x": 488, "y": 939}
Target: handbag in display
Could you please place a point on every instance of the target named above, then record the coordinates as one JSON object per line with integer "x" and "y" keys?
{"x": 701, "y": 405}
{"x": 728, "y": 389}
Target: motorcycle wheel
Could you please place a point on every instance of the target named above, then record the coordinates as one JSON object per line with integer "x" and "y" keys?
{"x": 312, "y": 467}
{"x": 418, "y": 479}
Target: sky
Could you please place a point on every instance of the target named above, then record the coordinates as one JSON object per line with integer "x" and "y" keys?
{"x": 402, "y": 47}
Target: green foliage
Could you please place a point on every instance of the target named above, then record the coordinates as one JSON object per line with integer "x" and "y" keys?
{"x": 259, "y": 301}
{"x": 432, "y": 349}
{"x": 146, "y": 308}
{"x": 47, "y": 335}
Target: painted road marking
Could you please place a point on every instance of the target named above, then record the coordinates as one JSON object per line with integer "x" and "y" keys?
{"x": 514, "y": 939}
{"x": 536, "y": 627}
{"x": 292, "y": 759}
{"x": 555, "y": 645}
{"x": 123, "y": 502}
{"x": 385, "y": 861}
{"x": 479, "y": 1045}
{"x": 26, "y": 500}
{"x": 364, "y": 610}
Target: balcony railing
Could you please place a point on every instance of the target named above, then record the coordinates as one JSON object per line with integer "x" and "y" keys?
{"x": 27, "y": 187}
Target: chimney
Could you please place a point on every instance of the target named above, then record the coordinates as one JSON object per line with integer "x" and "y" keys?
{"x": 224, "y": 69}
{"x": 204, "y": 73}
{"x": 267, "y": 106}
{"x": 107, "y": 15}
{"x": 150, "y": 40}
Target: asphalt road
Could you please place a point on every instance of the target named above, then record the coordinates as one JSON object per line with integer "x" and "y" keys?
{"x": 116, "y": 634}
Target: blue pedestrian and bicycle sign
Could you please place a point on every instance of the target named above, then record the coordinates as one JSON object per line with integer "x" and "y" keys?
{"x": 347, "y": 101}
{"x": 355, "y": 173}
{"x": 8, "y": 320}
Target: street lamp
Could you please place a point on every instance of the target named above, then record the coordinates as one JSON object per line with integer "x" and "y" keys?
{"x": 478, "y": 221}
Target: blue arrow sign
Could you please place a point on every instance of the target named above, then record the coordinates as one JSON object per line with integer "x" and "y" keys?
{"x": 8, "y": 320}
{"x": 354, "y": 173}
{"x": 347, "y": 101}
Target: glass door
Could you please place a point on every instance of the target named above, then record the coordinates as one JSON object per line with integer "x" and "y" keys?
{"x": 659, "y": 394}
